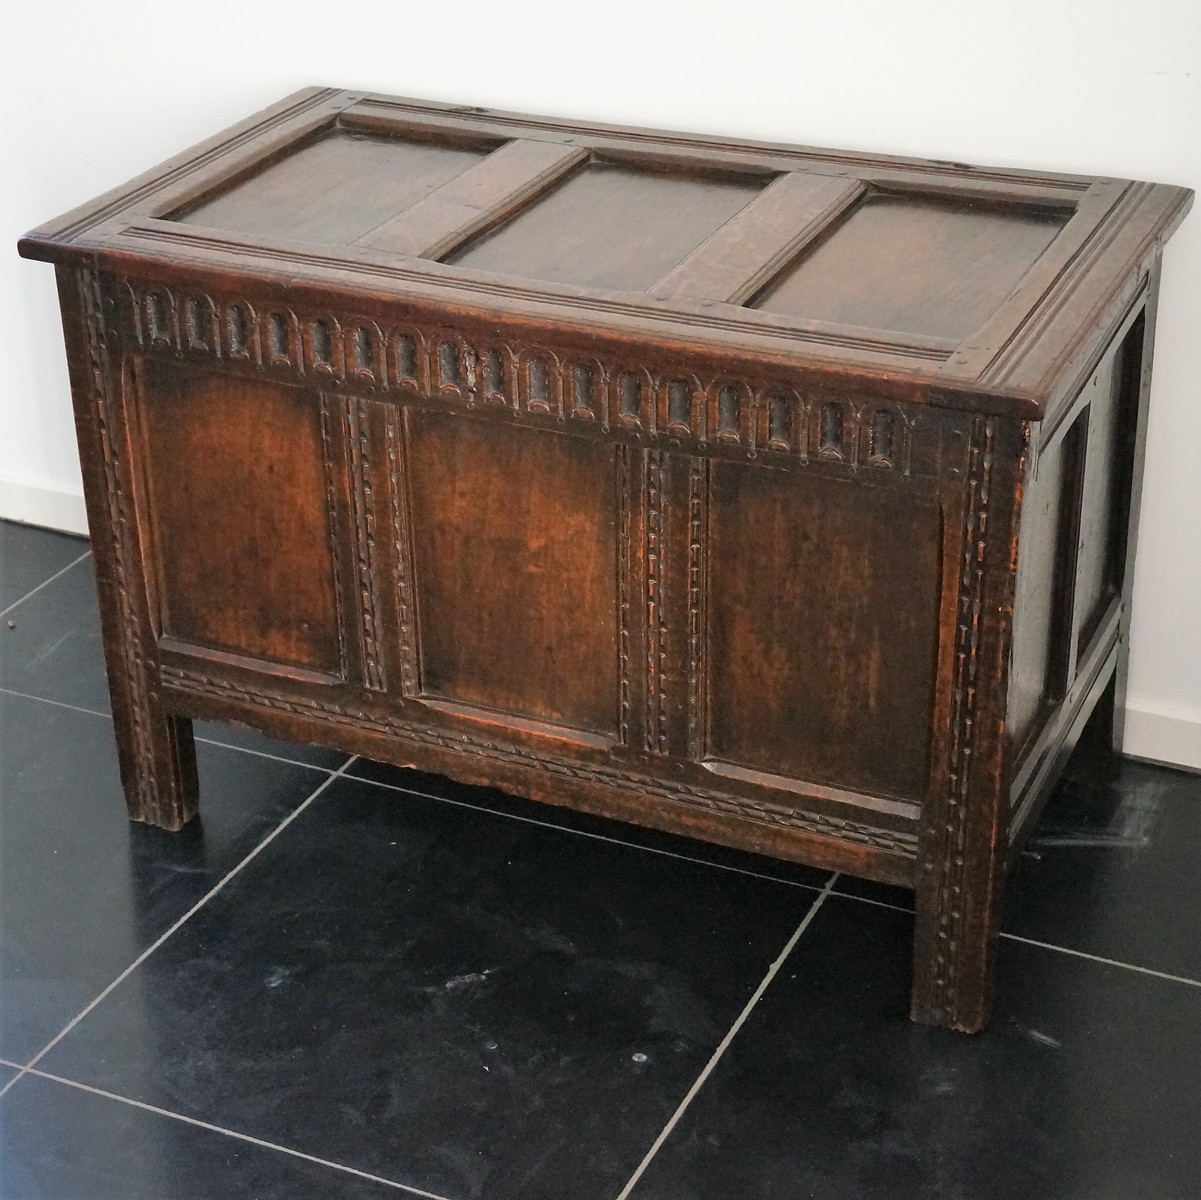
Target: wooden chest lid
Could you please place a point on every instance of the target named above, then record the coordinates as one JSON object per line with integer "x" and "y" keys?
{"x": 973, "y": 287}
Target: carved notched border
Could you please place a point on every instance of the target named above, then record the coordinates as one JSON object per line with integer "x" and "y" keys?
{"x": 892, "y": 841}
{"x": 676, "y": 409}
{"x": 361, "y": 460}
{"x": 127, "y": 572}
{"x": 947, "y": 824}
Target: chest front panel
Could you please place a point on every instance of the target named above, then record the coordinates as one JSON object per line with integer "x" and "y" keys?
{"x": 732, "y": 583}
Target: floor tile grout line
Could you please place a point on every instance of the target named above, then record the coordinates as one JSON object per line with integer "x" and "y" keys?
{"x": 724, "y": 1045}
{"x": 79, "y": 708}
{"x": 292, "y": 762}
{"x": 133, "y": 966}
{"x": 233, "y": 1133}
{"x": 1109, "y": 962}
{"x": 877, "y": 903}
{"x": 599, "y": 837}
{"x": 96, "y": 712}
{"x": 1017, "y": 937}
{"x": 46, "y": 582}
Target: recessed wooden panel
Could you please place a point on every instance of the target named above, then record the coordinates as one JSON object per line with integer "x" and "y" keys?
{"x": 822, "y": 629}
{"x": 611, "y": 227}
{"x": 1034, "y": 591}
{"x": 912, "y": 265}
{"x": 1105, "y": 502}
{"x": 238, "y": 504}
{"x": 516, "y": 569}
{"x": 1038, "y": 616}
{"x": 334, "y": 189}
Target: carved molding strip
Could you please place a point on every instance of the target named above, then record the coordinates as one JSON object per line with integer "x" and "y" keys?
{"x": 362, "y": 494}
{"x": 952, "y": 868}
{"x": 891, "y": 841}
{"x": 402, "y": 551}
{"x": 328, "y": 416}
{"x": 624, "y": 539}
{"x": 673, "y": 408}
{"x": 655, "y": 728}
{"x": 698, "y": 480}
{"x": 122, "y": 525}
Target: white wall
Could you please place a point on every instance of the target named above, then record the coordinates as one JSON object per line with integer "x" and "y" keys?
{"x": 97, "y": 92}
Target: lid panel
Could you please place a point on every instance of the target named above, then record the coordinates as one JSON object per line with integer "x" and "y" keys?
{"x": 611, "y": 226}
{"x": 966, "y": 287}
{"x": 333, "y": 189}
{"x": 914, "y": 265}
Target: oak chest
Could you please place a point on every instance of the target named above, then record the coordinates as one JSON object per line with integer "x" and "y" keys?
{"x": 775, "y": 496}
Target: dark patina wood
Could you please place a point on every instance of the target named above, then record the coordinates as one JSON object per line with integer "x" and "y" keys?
{"x": 774, "y": 496}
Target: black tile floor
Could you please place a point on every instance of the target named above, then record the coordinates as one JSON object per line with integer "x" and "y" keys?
{"x": 350, "y": 980}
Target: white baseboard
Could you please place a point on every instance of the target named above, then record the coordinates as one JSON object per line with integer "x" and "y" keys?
{"x": 36, "y": 504}
{"x": 1163, "y": 738}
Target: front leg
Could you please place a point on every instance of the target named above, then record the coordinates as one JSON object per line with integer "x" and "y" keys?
{"x": 958, "y": 911}
{"x": 156, "y": 752}
{"x": 963, "y": 842}
{"x": 155, "y": 749}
